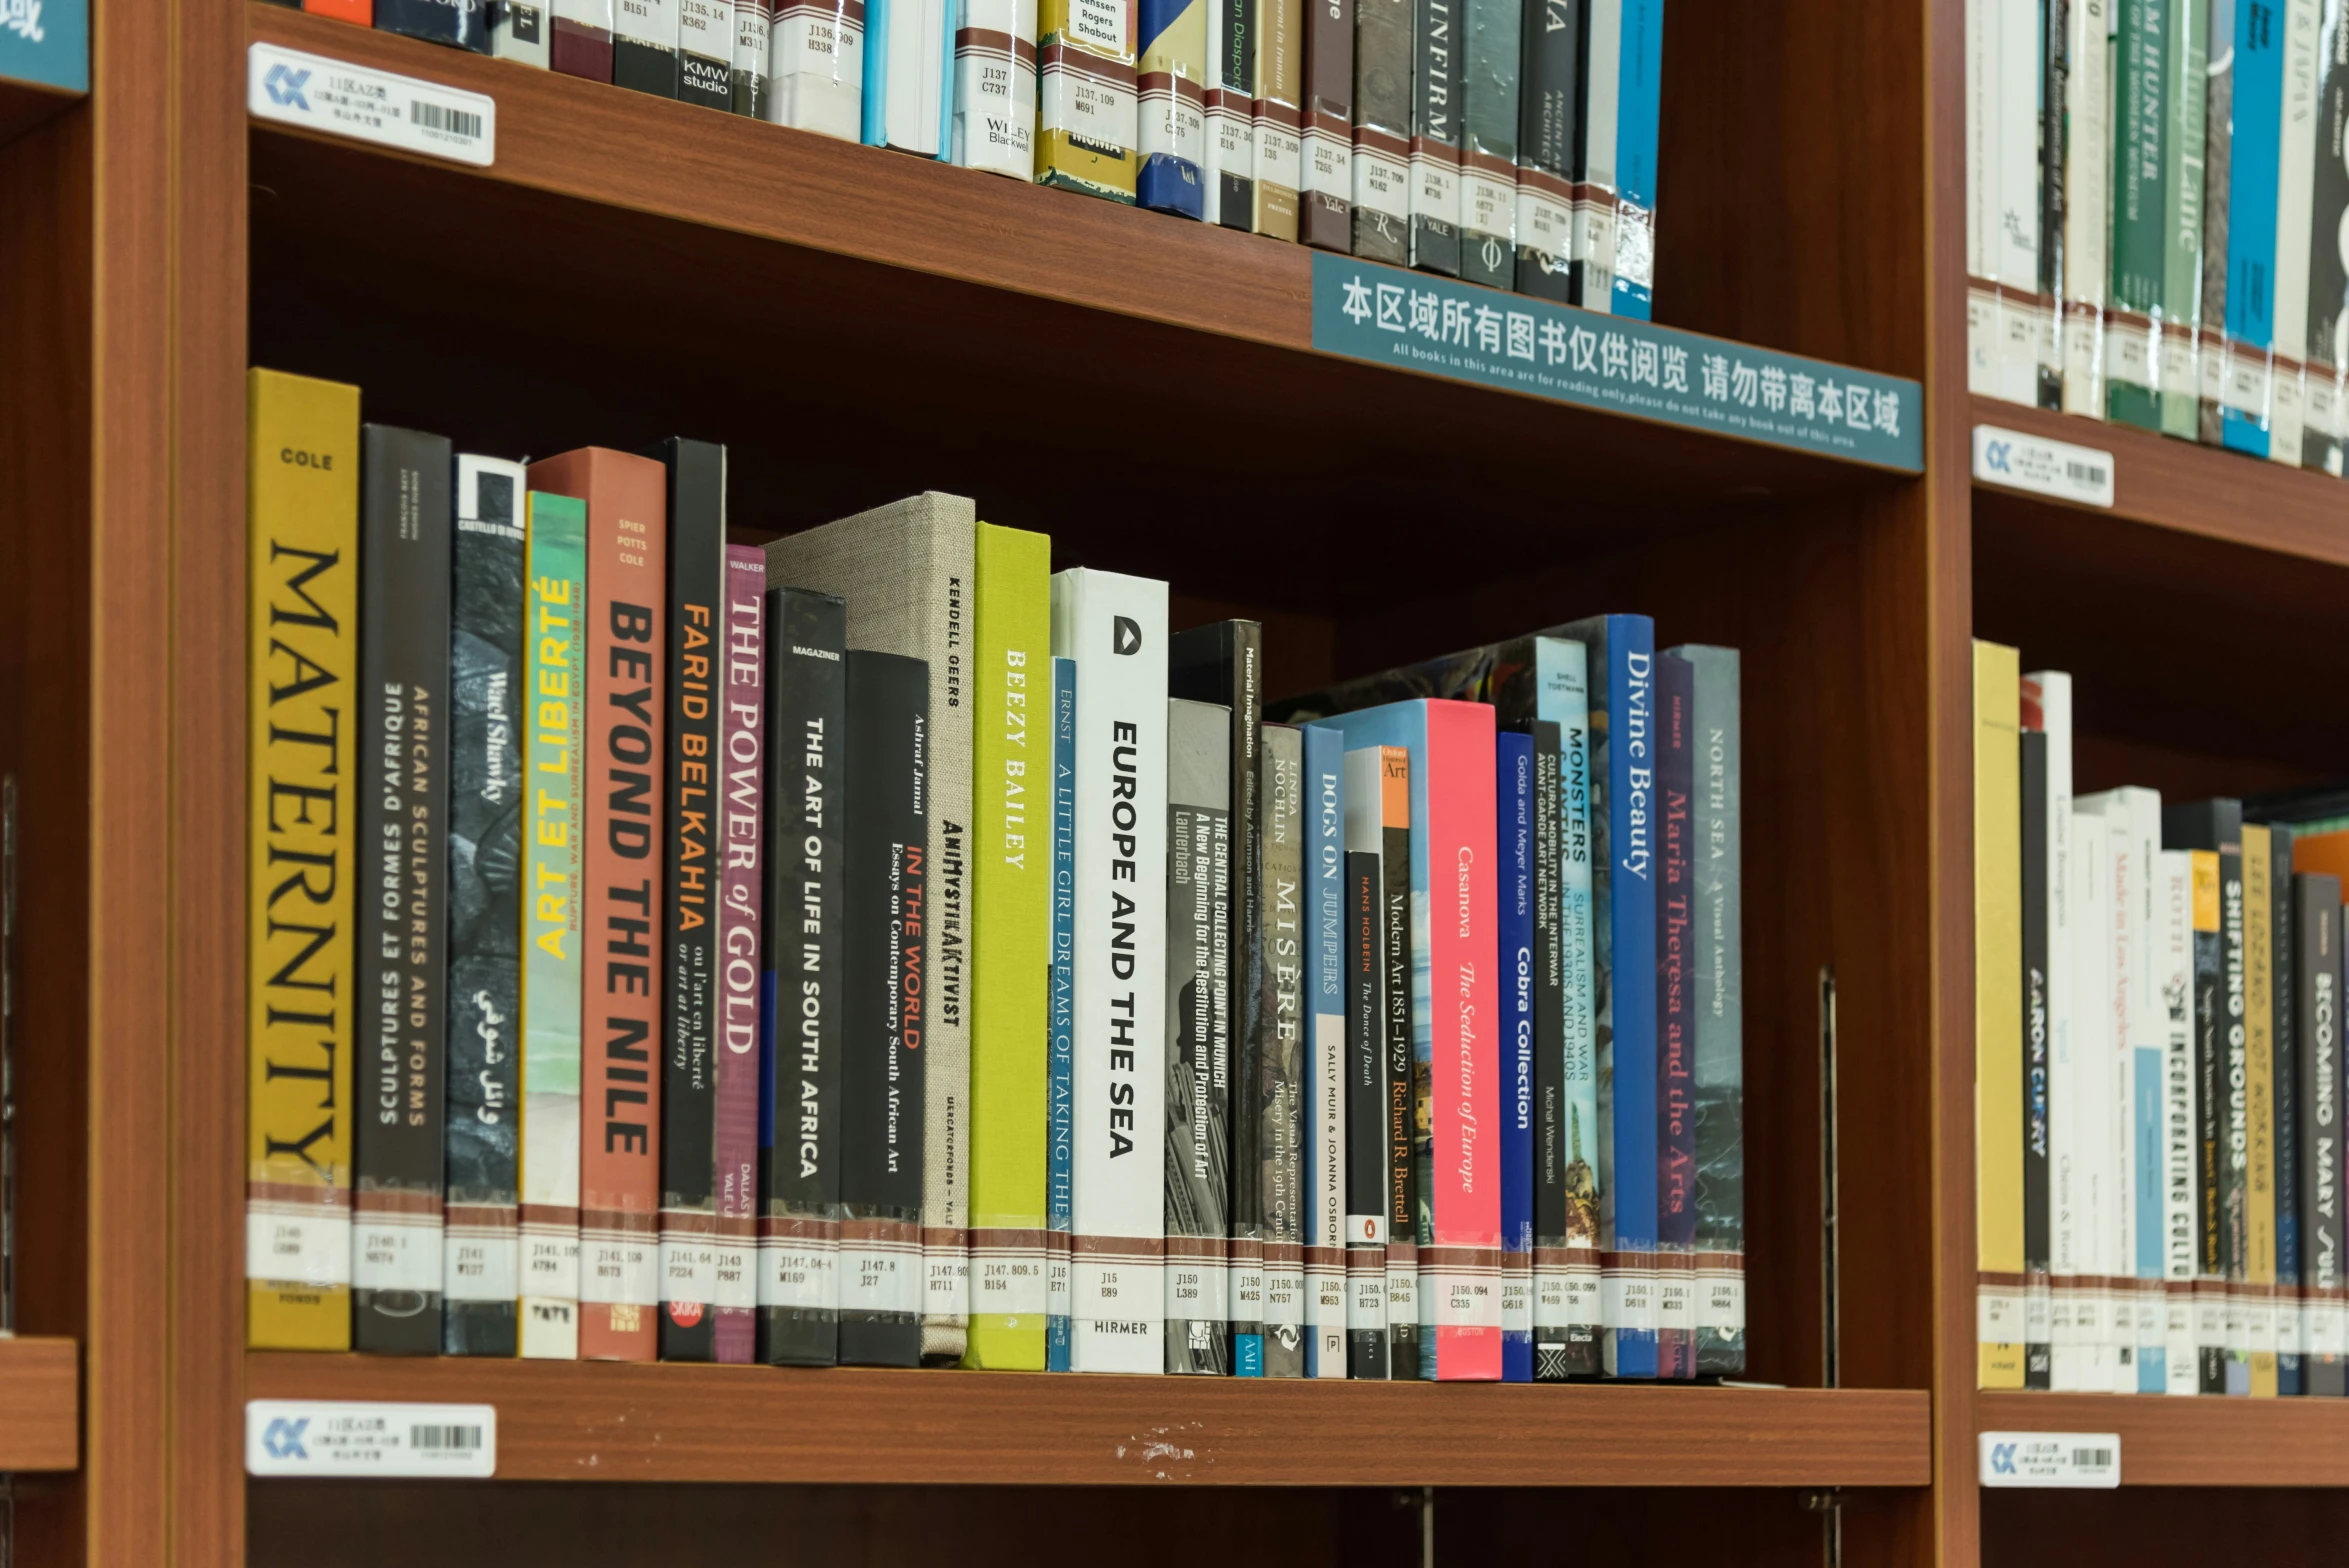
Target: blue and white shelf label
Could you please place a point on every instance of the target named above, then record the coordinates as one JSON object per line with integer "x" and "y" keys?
{"x": 1416, "y": 321}
{"x": 2080, "y": 1460}
{"x": 343, "y": 1438}
{"x": 319, "y": 94}
{"x": 2081, "y": 475}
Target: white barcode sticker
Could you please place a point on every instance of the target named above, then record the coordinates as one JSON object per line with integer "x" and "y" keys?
{"x": 2051, "y": 1459}
{"x": 344, "y": 1438}
{"x": 2069, "y": 473}
{"x": 294, "y": 88}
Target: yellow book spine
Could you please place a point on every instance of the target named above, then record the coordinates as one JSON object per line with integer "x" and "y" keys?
{"x": 1998, "y": 1013}
{"x": 1011, "y": 944}
{"x": 302, "y": 489}
{"x": 1088, "y": 117}
{"x": 2259, "y": 1103}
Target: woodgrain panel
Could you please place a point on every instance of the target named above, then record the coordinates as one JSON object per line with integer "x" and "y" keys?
{"x": 40, "y": 1403}
{"x": 2195, "y": 1442}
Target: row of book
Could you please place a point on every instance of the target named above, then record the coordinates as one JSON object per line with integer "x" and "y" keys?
{"x": 1508, "y": 142}
{"x": 878, "y": 949}
{"x": 2157, "y": 1072}
{"x": 2155, "y": 200}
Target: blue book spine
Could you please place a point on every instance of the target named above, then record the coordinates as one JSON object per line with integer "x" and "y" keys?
{"x": 1638, "y": 94}
{"x": 2146, "y": 1173}
{"x": 1623, "y": 851}
{"x": 1060, "y": 1063}
{"x": 875, "y": 128}
{"x": 2251, "y": 219}
{"x": 1325, "y": 1055}
{"x": 1513, "y": 819}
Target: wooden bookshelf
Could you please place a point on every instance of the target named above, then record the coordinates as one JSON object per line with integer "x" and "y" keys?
{"x": 40, "y": 1403}
{"x": 2204, "y": 1442}
{"x": 851, "y": 1426}
{"x": 24, "y": 105}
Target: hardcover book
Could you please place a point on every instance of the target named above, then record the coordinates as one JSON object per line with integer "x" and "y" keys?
{"x": 460, "y": 24}
{"x": 1675, "y": 1025}
{"x": 1488, "y": 143}
{"x": 1114, "y": 628}
{"x": 2234, "y": 58}
{"x": 2318, "y": 925}
{"x": 705, "y": 53}
{"x": 909, "y": 76}
{"x": 2210, "y": 1067}
{"x": 2184, "y": 193}
{"x": 1435, "y": 138}
{"x": 800, "y": 1111}
{"x": 2142, "y": 146}
{"x": 302, "y": 645}
{"x": 622, "y": 795}
{"x": 816, "y": 67}
{"x": 1637, "y": 104}
{"x": 1087, "y": 122}
{"x": 1227, "y": 170}
{"x": 554, "y": 962}
{"x": 644, "y": 46}
{"x": 1382, "y": 130}
{"x": 2088, "y": 1362}
{"x": 1278, "y": 115}
{"x": 741, "y": 760}
{"x": 1513, "y": 773}
{"x": 1268, "y": 1191}
{"x": 2295, "y": 203}
{"x": 749, "y": 77}
{"x": 1060, "y": 1055}
{"x": 995, "y": 87}
{"x": 2045, "y": 707}
{"x": 1406, "y": 1162}
{"x": 2239, "y": 292}
{"x": 2174, "y": 973}
{"x": 1367, "y": 1143}
{"x": 1327, "y": 168}
{"x": 1198, "y": 1036}
{"x": 1171, "y": 93}
{"x": 1325, "y": 1053}
{"x": 1549, "y": 64}
{"x": 481, "y": 1265}
{"x": 888, "y": 1002}
{"x": 521, "y": 33}
{"x": 2082, "y": 241}
{"x": 1011, "y": 942}
{"x": 2290, "y": 1042}
{"x": 401, "y": 1065}
{"x": 697, "y": 574}
{"x": 2222, "y": 1058}
{"x": 2033, "y": 1080}
{"x": 2322, "y": 403}
{"x": 582, "y": 38}
{"x": 906, "y": 570}
{"x": 1998, "y": 1119}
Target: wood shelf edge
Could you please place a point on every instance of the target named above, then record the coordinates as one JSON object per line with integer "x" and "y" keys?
{"x": 24, "y": 105}
{"x": 560, "y": 1421}
{"x": 40, "y": 1403}
{"x": 2204, "y": 1441}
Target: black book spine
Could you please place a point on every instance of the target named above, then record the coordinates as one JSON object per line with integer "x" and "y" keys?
{"x": 2038, "y": 1352}
{"x": 1403, "y": 1175}
{"x": 1552, "y": 1359}
{"x": 1275, "y": 1075}
{"x": 885, "y": 907}
{"x": 403, "y": 744}
{"x": 1366, "y": 1093}
{"x": 2210, "y": 1054}
{"x": 2215, "y": 827}
{"x": 1551, "y": 57}
{"x": 1198, "y": 1039}
{"x": 644, "y": 46}
{"x": 484, "y": 1151}
{"x": 2285, "y": 946}
{"x": 2235, "y": 1124}
{"x": 705, "y": 53}
{"x": 800, "y": 1046}
{"x": 697, "y": 568}
{"x": 1435, "y": 137}
{"x": 2055, "y": 28}
{"x": 461, "y": 24}
{"x": 2317, "y": 924}
{"x": 2328, "y": 266}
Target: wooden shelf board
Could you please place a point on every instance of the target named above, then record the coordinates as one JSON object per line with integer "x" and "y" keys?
{"x": 2193, "y": 1442}
{"x": 24, "y": 105}
{"x": 40, "y": 1403}
{"x": 854, "y": 1425}
{"x": 2195, "y": 489}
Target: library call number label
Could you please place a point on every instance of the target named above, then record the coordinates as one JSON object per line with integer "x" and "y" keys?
{"x": 310, "y": 90}
{"x": 345, "y": 1438}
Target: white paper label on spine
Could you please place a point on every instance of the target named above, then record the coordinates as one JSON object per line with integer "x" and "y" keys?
{"x": 2051, "y": 1459}
{"x": 481, "y": 1265}
{"x": 298, "y": 1243}
{"x": 1585, "y": 1301}
{"x": 1382, "y": 184}
{"x": 2080, "y": 474}
{"x": 1115, "y": 1324}
{"x": 1720, "y": 1301}
{"x": 1366, "y": 1302}
{"x": 1463, "y": 1296}
{"x": 689, "y": 1269}
{"x": 2128, "y": 353}
{"x": 1092, "y": 106}
{"x": 734, "y": 1275}
{"x": 1198, "y": 1288}
{"x": 798, "y": 1274}
{"x": 946, "y": 1274}
{"x": 1284, "y": 1294}
{"x": 319, "y": 94}
{"x": 1009, "y": 1281}
{"x": 879, "y": 1277}
{"x": 396, "y": 1252}
{"x": 1402, "y": 1297}
{"x": 1545, "y": 227}
{"x": 1516, "y": 1302}
{"x": 1435, "y": 188}
{"x": 1247, "y": 1304}
{"x": 619, "y": 1269}
{"x": 348, "y": 1439}
{"x": 550, "y": 1261}
{"x": 1280, "y": 155}
{"x": 2178, "y": 358}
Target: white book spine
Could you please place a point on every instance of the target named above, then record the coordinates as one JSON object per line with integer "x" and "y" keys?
{"x": 1325, "y": 1170}
{"x": 1593, "y": 241}
{"x": 2296, "y": 153}
{"x": 1115, "y": 628}
{"x": 523, "y": 33}
{"x": 2089, "y": 1119}
{"x": 918, "y": 56}
{"x": 817, "y": 56}
{"x": 2148, "y": 1030}
{"x": 2063, "y": 1164}
{"x": 995, "y": 87}
{"x": 2087, "y": 167}
{"x": 2174, "y": 977}
{"x": 2122, "y": 880}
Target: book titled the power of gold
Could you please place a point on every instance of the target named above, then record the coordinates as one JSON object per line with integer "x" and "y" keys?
{"x": 302, "y": 481}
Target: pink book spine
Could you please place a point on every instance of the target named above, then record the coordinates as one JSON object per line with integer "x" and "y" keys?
{"x": 742, "y": 772}
{"x": 1464, "y": 1081}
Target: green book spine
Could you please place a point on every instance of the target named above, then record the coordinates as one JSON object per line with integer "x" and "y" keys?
{"x": 1011, "y": 898}
{"x": 2141, "y": 147}
{"x": 2184, "y": 65}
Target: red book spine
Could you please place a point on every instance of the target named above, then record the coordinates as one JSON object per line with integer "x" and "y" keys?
{"x": 359, "y": 11}
{"x": 742, "y": 789}
{"x": 1464, "y": 1080}
{"x": 620, "y": 1016}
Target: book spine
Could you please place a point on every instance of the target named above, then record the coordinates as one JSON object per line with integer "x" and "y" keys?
{"x": 2093, "y": 1080}
{"x": 2141, "y": 152}
{"x": 554, "y": 877}
{"x": 1597, "y": 97}
{"x": 2245, "y": 285}
{"x": 1273, "y": 1071}
{"x": 2323, "y": 406}
{"x": 2318, "y": 924}
{"x": 705, "y": 53}
{"x": 396, "y": 1246}
{"x": 583, "y": 43}
{"x": 2086, "y": 223}
{"x": 697, "y": 582}
{"x": 1488, "y": 143}
{"x": 459, "y": 24}
{"x": 1403, "y": 1155}
{"x": 1087, "y": 122}
{"x": 1328, "y": 166}
{"x": 1278, "y": 116}
{"x": 1997, "y": 1018}
{"x": 1563, "y": 666}
{"x": 1172, "y": 105}
{"x": 2295, "y": 198}
{"x": 816, "y": 61}
{"x": 886, "y": 1007}
{"x": 1011, "y": 942}
{"x": 1550, "y": 1129}
{"x": 1717, "y": 994}
{"x": 1325, "y": 1053}
{"x": 1198, "y": 1037}
{"x": 1637, "y": 102}
{"x": 1227, "y": 173}
{"x": 302, "y": 490}
{"x": 2232, "y": 65}
{"x": 620, "y": 1085}
{"x": 2148, "y": 1030}
{"x": 644, "y": 46}
{"x": 521, "y": 32}
{"x": 1548, "y": 63}
{"x": 2175, "y": 975}
{"x": 742, "y": 757}
{"x": 2235, "y": 1196}
{"x": 2184, "y": 192}
{"x": 482, "y": 1156}
{"x": 1060, "y": 1059}
{"x": 2033, "y": 1079}
{"x": 1435, "y": 139}
{"x": 1115, "y": 628}
{"x": 1382, "y": 130}
{"x": 801, "y": 1065}
{"x": 2284, "y": 1077}
{"x": 1366, "y": 1078}
{"x": 995, "y": 87}
{"x": 749, "y": 79}
{"x": 2210, "y": 1066}
{"x": 1675, "y": 1022}
{"x": 1514, "y": 816}
{"x": 2054, "y": 63}
{"x": 909, "y": 77}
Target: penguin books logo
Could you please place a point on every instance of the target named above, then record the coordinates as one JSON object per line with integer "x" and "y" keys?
{"x": 1125, "y": 635}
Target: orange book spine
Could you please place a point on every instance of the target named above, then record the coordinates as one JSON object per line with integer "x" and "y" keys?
{"x": 359, "y": 11}
{"x": 620, "y": 1059}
